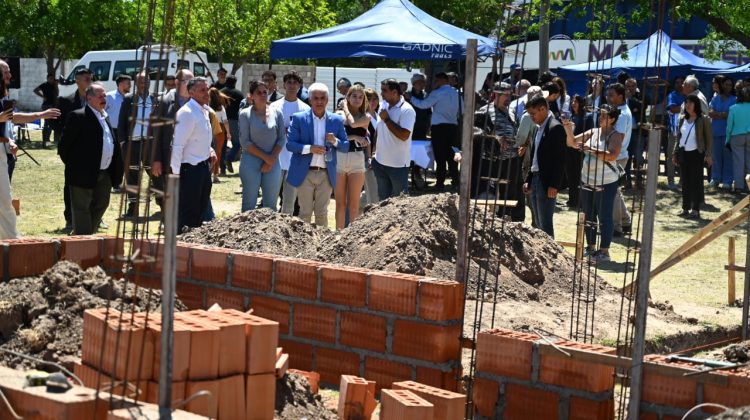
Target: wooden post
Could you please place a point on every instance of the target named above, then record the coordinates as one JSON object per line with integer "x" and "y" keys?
{"x": 580, "y": 236}
{"x": 730, "y": 273}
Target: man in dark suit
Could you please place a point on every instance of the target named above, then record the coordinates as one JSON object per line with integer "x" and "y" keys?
{"x": 93, "y": 161}
{"x": 132, "y": 133}
{"x": 68, "y": 104}
{"x": 314, "y": 137}
{"x": 162, "y": 134}
{"x": 547, "y": 163}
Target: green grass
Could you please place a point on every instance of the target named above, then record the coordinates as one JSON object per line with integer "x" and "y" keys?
{"x": 696, "y": 286}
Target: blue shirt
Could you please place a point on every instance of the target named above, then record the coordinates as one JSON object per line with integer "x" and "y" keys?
{"x": 719, "y": 104}
{"x": 444, "y": 102}
{"x": 114, "y": 103}
{"x": 738, "y": 121}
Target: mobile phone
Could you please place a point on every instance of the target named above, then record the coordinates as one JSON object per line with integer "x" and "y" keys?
{"x": 565, "y": 115}
{"x": 9, "y": 104}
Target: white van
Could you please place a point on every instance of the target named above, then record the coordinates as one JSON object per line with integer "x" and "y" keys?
{"x": 163, "y": 60}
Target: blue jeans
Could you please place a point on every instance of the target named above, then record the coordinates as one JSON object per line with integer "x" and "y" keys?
{"x": 597, "y": 205}
{"x": 392, "y": 182}
{"x": 234, "y": 129}
{"x": 253, "y": 179}
{"x": 721, "y": 170}
{"x": 542, "y": 206}
{"x": 209, "y": 214}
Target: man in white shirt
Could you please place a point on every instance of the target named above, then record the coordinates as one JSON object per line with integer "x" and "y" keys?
{"x": 314, "y": 137}
{"x": 192, "y": 155}
{"x": 616, "y": 95}
{"x": 518, "y": 106}
{"x": 290, "y": 104}
{"x": 393, "y": 154}
{"x": 93, "y": 161}
{"x": 115, "y": 99}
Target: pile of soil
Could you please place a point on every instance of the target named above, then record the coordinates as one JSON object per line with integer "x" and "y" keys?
{"x": 735, "y": 353}
{"x": 261, "y": 230}
{"x": 742, "y": 413}
{"x": 418, "y": 235}
{"x": 43, "y": 316}
{"x": 295, "y": 400}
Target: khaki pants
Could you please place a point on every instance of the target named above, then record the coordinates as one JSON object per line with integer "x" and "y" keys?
{"x": 314, "y": 195}
{"x": 621, "y": 215}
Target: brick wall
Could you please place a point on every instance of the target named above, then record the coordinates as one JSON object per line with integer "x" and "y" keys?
{"x": 335, "y": 320}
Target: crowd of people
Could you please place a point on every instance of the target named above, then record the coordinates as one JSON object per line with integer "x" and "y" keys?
{"x": 536, "y": 140}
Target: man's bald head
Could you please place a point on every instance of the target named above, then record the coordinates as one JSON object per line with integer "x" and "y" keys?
{"x": 5, "y": 69}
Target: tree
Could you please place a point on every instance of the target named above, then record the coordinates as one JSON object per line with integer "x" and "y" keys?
{"x": 61, "y": 29}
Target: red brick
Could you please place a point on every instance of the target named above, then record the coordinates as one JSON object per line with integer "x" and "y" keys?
{"x": 30, "y": 257}
{"x": 448, "y": 405}
{"x": 147, "y": 281}
{"x": 85, "y": 251}
{"x": 210, "y": 264}
{"x": 441, "y": 300}
{"x": 484, "y": 396}
{"x": 113, "y": 247}
{"x": 205, "y": 406}
{"x": 505, "y": 352}
{"x": 391, "y": 292}
{"x": 261, "y": 396}
{"x": 385, "y": 372}
{"x": 273, "y": 309}
{"x": 232, "y": 343}
{"x": 331, "y": 364}
{"x": 363, "y": 331}
{"x": 296, "y": 277}
{"x": 282, "y": 365}
{"x": 262, "y": 337}
{"x": 449, "y": 380}
{"x": 178, "y": 392}
{"x": 252, "y": 270}
{"x": 402, "y": 404}
{"x": 343, "y": 285}
{"x": 225, "y": 298}
{"x": 526, "y": 403}
{"x": 231, "y": 397}
{"x": 673, "y": 391}
{"x": 92, "y": 377}
{"x": 182, "y": 258}
{"x": 123, "y": 341}
{"x": 190, "y": 294}
{"x": 569, "y": 373}
{"x": 180, "y": 350}
{"x": 315, "y": 322}
{"x": 356, "y": 398}
{"x": 735, "y": 394}
{"x": 412, "y": 338}
{"x": 205, "y": 347}
{"x": 583, "y": 409}
{"x": 300, "y": 354}
{"x": 313, "y": 378}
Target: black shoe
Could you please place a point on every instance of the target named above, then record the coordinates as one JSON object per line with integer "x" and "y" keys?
{"x": 230, "y": 167}
{"x": 694, "y": 215}
{"x": 617, "y": 234}
{"x": 626, "y": 229}
{"x": 683, "y": 213}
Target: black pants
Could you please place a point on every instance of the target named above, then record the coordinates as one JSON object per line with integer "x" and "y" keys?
{"x": 49, "y": 127}
{"x": 510, "y": 169}
{"x": 691, "y": 168}
{"x": 195, "y": 191}
{"x": 443, "y": 137}
{"x": 67, "y": 213}
{"x": 90, "y": 204}
{"x": 573, "y": 164}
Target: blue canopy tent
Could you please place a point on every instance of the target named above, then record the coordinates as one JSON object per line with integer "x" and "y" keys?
{"x": 658, "y": 50}
{"x": 393, "y": 29}
{"x": 736, "y": 72}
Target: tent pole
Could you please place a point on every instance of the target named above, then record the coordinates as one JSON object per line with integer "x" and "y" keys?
{"x": 335, "y": 88}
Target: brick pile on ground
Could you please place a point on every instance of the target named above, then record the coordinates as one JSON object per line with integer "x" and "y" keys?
{"x": 43, "y": 316}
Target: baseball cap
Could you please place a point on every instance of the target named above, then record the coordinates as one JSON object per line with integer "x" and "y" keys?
{"x": 515, "y": 66}
{"x": 418, "y": 76}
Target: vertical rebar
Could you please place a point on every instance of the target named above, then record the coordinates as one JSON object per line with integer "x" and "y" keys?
{"x": 644, "y": 270}
{"x": 171, "y": 206}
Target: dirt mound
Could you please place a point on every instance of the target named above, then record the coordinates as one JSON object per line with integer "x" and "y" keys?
{"x": 734, "y": 414}
{"x": 295, "y": 400}
{"x": 261, "y": 230}
{"x": 43, "y": 316}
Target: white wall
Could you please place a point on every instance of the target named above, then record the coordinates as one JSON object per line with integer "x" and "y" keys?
{"x": 370, "y": 77}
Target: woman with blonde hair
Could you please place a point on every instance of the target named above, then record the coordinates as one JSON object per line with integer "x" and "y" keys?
{"x": 350, "y": 167}
{"x": 218, "y": 101}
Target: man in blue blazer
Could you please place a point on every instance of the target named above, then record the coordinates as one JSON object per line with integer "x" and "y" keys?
{"x": 314, "y": 137}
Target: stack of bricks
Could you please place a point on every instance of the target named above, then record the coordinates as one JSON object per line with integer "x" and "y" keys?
{"x": 667, "y": 393}
{"x": 408, "y": 400}
{"x": 231, "y": 354}
{"x": 514, "y": 380}
{"x": 334, "y": 320}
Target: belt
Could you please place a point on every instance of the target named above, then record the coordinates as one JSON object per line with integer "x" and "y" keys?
{"x": 205, "y": 162}
{"x": 317, "y": 168}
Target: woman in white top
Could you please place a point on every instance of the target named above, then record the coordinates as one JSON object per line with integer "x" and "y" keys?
{"x": 217, "y": 101}
{"x": 692, "y": 150}
{"x": 600, "y": 176}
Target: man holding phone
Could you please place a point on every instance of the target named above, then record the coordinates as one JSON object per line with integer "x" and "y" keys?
{"x": 313, "y": 136}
